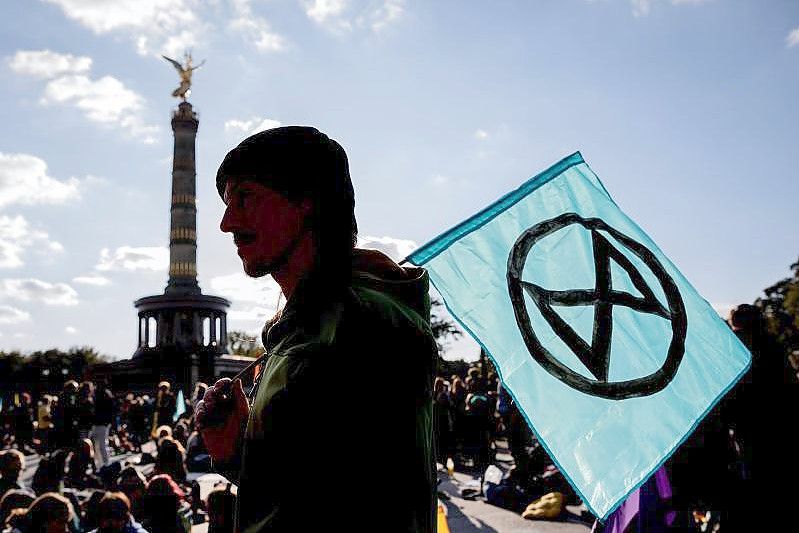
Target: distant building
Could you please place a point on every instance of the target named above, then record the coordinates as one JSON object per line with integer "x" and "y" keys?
{"x": 182, "y": 333}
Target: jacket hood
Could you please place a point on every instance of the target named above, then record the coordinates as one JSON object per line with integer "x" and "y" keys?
{"x": 410, "y": 285}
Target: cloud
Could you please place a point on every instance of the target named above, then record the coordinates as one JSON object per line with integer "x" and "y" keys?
{"x": 12, "y": 315}
{"x": 48, "y": 64}
{"x": 34, "y": 290}
{"x": 16, "y": 235}
{"x": 340, "y": 16}
{"x": 92, "y": 279}
{"x": 641, "y": 8}
{"x": 239, "y": 287}
{"x": 106, "y": 101}
{"x": 130, "y": 258}
{"x": 793, "y": 38}
{"x": 481, "y": 135}
{"x": 24, "y": 180}
{"x": 254, "y": 29}
{"x": 254, "y": 300}
{"x": 396, "y": 249}
{"x": 380, "y": 17}
{"x": 70, "y": 330}
{"x": 245, "y": 128}
{"x": 155, "y": 26}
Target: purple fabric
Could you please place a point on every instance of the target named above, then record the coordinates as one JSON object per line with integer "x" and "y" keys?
{"x": 643, "y": 507}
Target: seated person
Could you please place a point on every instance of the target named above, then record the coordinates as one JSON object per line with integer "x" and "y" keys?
{"x": 14, "y": 499}
{"x": 221, "y": 504}
{"x": 12, "y": 462}
{"x": 133, "y": 484}
{"x": 81, "y": 470}
{"x": 113, "y": 513}
{"x": 170, "y": 460}
{"x": 50, "y": 513}
{"x": 165, "y": 508}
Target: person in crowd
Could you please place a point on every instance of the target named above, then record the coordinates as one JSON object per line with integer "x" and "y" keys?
{"x": 197, "y": 457}
{"x": 165, "y": 405}
{"x": 23, "y": 420}
{"x": 114, "y": 515}
{"x": 221, "y": 505}
{"x": 66, "y": 416}
{"x": 85, "y": 410}
{"x": 134, "y": 485}
{"x": 49, "y": 475}
{"x": 442, "y": 411}
{"x": 181, "y": 432}
{"x": 81, "y": 469}
{"x": 12, "y": 462}
{"x": 14, "y": 499}
{"x": 49, "y": 513}
{"x": 171, "y": 460}
{"x": 104, "y": 415}
{"x": 44, "y": 422}
{"x": 165, "y": 508}
{"x": 137, "y": 415}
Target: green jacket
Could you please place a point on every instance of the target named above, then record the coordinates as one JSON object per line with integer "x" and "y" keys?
{"x": 340, "y": 429}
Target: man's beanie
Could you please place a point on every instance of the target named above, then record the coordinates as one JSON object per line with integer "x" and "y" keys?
{"x": 297, "y": 161}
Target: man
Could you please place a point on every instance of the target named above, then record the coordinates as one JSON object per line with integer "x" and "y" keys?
{"x": 165, "y": 406}
{"x": 312, "y": 453}
{"x": 103, "y": 418}
{"x": 113, "y": 515}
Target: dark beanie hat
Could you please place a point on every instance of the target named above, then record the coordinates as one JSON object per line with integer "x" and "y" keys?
{"x": 297, "y": 161}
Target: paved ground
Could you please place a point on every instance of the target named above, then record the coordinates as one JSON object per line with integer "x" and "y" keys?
{"x": 476, "y": 516}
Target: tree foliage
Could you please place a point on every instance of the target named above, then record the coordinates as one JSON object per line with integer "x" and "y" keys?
{"x": 780, "y": 305}
{"x": 45, "y": 370}
{"x": 242, "y": 343}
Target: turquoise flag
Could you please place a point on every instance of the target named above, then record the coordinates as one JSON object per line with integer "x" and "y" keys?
{"x": 609, "y": 352}
{"x": 180, "y": 406}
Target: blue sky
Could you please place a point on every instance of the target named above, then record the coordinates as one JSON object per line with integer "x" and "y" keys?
{"x": 687, "y": 110}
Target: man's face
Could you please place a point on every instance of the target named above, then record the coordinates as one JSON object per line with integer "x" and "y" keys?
{"x": 264, "y": 224}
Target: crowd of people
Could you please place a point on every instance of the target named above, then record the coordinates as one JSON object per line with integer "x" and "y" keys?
{"x": 126, "y": 463}
{"x": 107, "y": 463}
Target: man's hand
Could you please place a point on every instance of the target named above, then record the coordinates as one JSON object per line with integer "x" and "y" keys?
{"x": 221, "y": 416}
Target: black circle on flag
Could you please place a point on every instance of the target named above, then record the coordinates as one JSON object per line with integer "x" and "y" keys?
{"x": 596, "y": 356}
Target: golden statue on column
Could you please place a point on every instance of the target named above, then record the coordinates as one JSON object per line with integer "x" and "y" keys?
{"x": 185, "y": 76}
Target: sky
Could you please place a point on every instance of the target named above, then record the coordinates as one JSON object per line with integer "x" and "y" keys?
{"x": 686, "y": 109}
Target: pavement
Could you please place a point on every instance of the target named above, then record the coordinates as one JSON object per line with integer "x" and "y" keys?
{"x": 476, "y": 516}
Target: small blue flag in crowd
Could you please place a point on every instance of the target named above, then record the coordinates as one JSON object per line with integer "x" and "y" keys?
{"x": 609, "y": 352}
{"x": 180, "y": 407}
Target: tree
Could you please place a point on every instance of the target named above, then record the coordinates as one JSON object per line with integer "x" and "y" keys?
{"x": 781, "y": 309}
{"x": 442, "y": 327}
{"x": 242, "y": 343}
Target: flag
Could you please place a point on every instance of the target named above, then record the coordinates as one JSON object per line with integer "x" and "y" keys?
{"x": 180, "y": 407}
{"x": 611, "y": 355}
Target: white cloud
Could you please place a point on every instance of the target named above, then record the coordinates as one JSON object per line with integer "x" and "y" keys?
{"x": 254, "y": 300}
{"x": 245, "y": 128}
{"x": 439, "y": 180}
{"x": 340, "y": 16}
{"x": 239, "y": 287}
{"x": 396, "y": 249}
{"x": 155, "y": 26}
{"x": 380, "y": 17}
{"x": 24, "y": 180}
{"x": 106, "y": 101}
{"x": 12, "y": 315}
{"x": 131, "y": 258}
{"x": 16, "y": 235}
{"x": 326, "y": 12}
{"x": 793, "y": 38}
{"x": 70, "y": 330}
{"x": 92, "y": 279}
{"x": 254, "y": 29}
{"x": 34, "y": 290}
{"x": 481, "y": 135}
{"x": 48, "y": 64}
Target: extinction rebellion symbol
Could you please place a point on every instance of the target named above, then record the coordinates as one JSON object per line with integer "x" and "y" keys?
{"x": 603, "y": 297}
